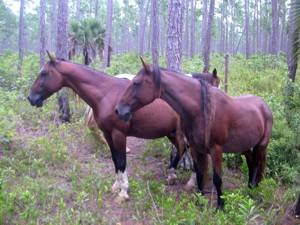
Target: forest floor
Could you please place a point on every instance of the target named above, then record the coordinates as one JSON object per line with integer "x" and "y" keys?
{"x": 138, "y": 146}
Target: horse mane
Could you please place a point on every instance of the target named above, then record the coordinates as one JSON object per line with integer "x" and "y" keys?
{"x": 207, "y": 101}
{"x": 208, "y": 108}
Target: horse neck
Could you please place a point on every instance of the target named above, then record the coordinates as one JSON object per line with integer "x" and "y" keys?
{"x": 191, "y": 99}
{"x": 91, "y": 85}
{"x": 180, "y": 92}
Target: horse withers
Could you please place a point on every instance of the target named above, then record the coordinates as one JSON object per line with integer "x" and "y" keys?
{"x": 213, "y": 122}
{"x": 102, "y": 92}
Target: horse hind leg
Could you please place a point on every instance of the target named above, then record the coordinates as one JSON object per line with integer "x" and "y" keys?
{"x": 249, "y": 159}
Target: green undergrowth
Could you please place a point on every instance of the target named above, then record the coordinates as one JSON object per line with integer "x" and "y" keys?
{"x": 52, "y": 173}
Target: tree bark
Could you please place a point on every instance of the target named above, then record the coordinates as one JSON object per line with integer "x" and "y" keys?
{"x": 174, "y": 38}
{"x": 106, "y": 58}
{"x": 207, "y": 40}
{"x": 247, "y": 47}
{"x": 21, "y": 38}
{"x": 42, "y": 33}
{"x": 62, "y": 52}
{"x": 204, "y": 23}
{"x": 155, "y": 32}
{"x": 275, "y": 26}
{"x": 192, "y": 45}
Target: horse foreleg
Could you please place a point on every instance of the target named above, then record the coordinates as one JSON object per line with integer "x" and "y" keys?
{"x": 200, "y": 166}
{"x": 118, "y": 151}
{"x": 216, "y": 157}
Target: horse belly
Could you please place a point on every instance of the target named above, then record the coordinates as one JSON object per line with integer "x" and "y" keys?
{"x": 242, "y": 141}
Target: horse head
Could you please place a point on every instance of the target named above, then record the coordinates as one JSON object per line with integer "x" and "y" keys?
{"x": 47, "y": 82}
{"x": 142, "y": 90}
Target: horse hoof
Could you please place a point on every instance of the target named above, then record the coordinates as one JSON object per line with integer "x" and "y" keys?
{"x": 114, "y": 188}
{"x": 189, "y": 187}
{"x": 121, "y": 199}
{"x": 171, "y": 181}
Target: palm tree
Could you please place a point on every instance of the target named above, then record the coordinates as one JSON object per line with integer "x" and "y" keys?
{"x": 87, "y": 37}
{"x": 293, "y": 38}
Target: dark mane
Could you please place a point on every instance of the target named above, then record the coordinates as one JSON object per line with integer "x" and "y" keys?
{"x": 208, "y": 108}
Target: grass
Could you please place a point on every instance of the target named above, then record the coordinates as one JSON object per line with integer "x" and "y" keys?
{"x": 59, "y": 174}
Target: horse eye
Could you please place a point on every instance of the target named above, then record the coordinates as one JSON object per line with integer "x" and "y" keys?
{"x": 137, "y": 85}
{"x": 44, "y": 73}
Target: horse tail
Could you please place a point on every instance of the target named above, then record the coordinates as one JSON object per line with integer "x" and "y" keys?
{"x": 208, "y": 109}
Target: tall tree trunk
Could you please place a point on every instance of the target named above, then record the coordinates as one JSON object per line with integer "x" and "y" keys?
{"x": 186, "y": 30}
{"x": 62, "y": 52}
{"x": 204, "y": 23}
{"x": 42, "y": 33}
{"x": 96, "y": 8}
{"x": 155, "y": 32}
{"x": 54, "y": 2}
{"x": 293, "y": 43}
{"x": 192, "y": 45}
{"x": 21, "y": 38}
{"x": 247, "y": 44}
{"x": 174, "y": 39}
{"x": 275, "y": 26}
{"x": 106, "y": 61}
{"x": 78, "y": 12}
{"x": 207, "y": 40}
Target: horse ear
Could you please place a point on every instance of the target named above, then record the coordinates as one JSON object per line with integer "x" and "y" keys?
{"x": 52, "y": 58}
{"x": 145, "y": 65}
{"x": 215, "y": 72}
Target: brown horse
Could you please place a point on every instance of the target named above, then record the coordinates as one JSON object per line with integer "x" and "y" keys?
{"x": 213, "y": 122}
{"x": 101, "y": 92}
{"x": 211, "y": 78}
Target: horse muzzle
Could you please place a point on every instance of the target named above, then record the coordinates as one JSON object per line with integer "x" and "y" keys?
{"x": 123, "y": 113}
{"x": 35, "y": 100}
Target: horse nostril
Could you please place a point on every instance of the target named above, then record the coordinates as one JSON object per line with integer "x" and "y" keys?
{"x": 117, "y": 111}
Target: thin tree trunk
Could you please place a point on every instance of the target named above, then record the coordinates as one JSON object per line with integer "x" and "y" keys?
{"x": 207, "y": 41}
{"x": 192, "y": 45}
{"x": 96, "y": 8}
{"x": 247, "y": 28}
{"x": 21, "y": 38}
{"x": 204, "y": 23}
{"x": 42, "y": 33}
{"x": 186, "y": 30}
{"x": 155, "y": 32}
{"x": 106, "y": 62}
{"x": 62, "y": 52}
{"x": 275, "y": 26}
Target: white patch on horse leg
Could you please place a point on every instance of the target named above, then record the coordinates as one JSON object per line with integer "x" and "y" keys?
{"x": 171, "y": 176}
{"x": 191, "y": 183}
{"x": 123, "y": 195}
{"x": 117, "y": 185}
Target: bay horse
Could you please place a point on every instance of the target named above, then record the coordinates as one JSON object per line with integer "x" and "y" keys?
{"x": 102, "y": 92}
{"x": 213, "y": 122}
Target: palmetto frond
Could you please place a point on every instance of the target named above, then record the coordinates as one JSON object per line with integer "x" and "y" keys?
{"x": 294, "y": 20}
